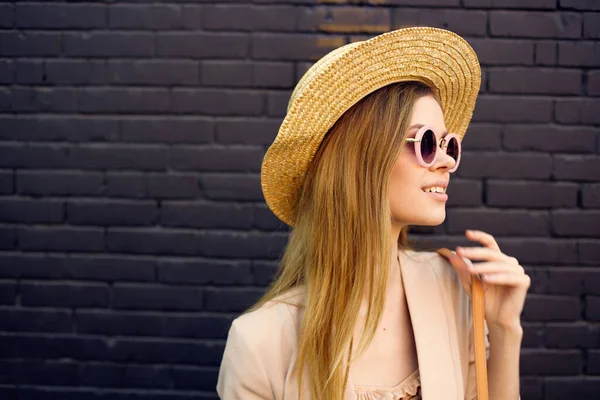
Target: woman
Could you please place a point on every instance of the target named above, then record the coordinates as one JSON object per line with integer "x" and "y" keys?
{"x": 363, "y": 153}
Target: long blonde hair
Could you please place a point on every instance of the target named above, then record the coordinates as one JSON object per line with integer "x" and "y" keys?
{"x": 339, "y": 248}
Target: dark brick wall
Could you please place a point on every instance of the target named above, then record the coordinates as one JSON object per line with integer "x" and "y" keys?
{"x": 132, "y": 225}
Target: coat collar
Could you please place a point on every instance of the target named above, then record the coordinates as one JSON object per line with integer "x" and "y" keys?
{"x": 434, "y": 325}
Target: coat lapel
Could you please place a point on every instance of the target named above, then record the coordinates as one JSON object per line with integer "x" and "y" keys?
{"x": 434, "y": 329}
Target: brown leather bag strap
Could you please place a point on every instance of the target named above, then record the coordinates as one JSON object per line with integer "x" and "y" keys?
{"x": 477, "y": 302}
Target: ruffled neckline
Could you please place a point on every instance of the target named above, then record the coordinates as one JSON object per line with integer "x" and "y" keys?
{"x": 405, "y": 390}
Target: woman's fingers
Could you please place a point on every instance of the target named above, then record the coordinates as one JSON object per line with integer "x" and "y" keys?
{"x": 484, "y": 238}
{"x": 485, "y": 254}
{"x": 507, "y": 279}
{"x": 495, "y": 268}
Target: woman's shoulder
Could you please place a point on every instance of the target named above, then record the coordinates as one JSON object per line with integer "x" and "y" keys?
{"x": 275, "y": 320}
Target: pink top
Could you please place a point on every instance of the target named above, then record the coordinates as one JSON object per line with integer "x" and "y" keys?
{"x": 408, "y": 389}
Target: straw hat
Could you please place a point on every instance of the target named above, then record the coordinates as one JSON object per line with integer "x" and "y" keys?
{"x": 437, "y": 57}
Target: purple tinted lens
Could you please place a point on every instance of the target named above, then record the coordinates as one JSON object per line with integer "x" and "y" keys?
{"x": 453, "y": 149}
{"x": 428, "y": 146}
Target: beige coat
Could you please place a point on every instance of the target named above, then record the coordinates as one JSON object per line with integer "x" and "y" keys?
{"x": 261, "y": 346}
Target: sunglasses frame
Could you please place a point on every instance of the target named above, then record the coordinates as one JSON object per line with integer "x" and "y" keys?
{"x": 441, "y": 143}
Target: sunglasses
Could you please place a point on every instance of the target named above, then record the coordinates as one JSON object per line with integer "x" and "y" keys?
{"x": 427, "y": 150}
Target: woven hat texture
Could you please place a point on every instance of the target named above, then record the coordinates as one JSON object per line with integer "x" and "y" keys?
{"x": 439, "y": 58}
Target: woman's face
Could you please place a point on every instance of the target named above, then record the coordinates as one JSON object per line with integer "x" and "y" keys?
{"x": 410, "y": 203}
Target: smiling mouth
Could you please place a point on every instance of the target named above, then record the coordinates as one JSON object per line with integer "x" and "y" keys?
{"x": 434, "y": 189}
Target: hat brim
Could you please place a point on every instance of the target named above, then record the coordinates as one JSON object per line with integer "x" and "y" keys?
{"x": 437, "y": 57}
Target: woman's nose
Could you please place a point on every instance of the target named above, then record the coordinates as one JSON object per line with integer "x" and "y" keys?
{"x": 443, "y": 159}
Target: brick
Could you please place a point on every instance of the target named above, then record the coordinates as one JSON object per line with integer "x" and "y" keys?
{"x": 431, "y": 3}
{"x": 481, "y": 136}
{"x": 158, "y": 186}
{"x": 532, "y": 387}
{"x": 17, "y": 155}
{"x": 8, "y": 292}
{"x": 7, "y": 70}
{"x": 345, "y": 20}
{"x": 112, "y": 212}
{"x": 144, "y": 16}
{"x": 217, "y": 102}
{"x": 8, "y": 237}
{"x": 576, "y": 223}
{"x": 568, "y": 336}
{"x": 593, "y": 364}
{"x": 118, "y": 323}
{"x": 43, "y": 99}
{"x": 102, "y": 268}
{"x": 499, "y": 222}
{"x": 26, "y": 210}
{"x": 534, "y": 4}
{"x": 247, "y": 74}
{"x": 29, "y": 72}
{"x": 75, "y": 72}
{"x": 182, "y": 129}
{"x": 590, "y": 195}
{"x": 505, "y": 165}
{"x": 169, "y": 351}
{"x": 590, "y": 5}
{"x": 7, "y": 15}
{"x": 533, "y": 335}
{"x": 551, "y": 308}
{"x": 109, "y": 44}
{"x": 155, "y": 297}
{"x": 60, "y": 16}
{"x": 205, "y": 215}
{"x": 577, "y": 168}
{"x": 59, "y": 183}
{"x": 231, "y": 187}
{"x": 43, "y": 372}
{"x": 61, "y": 239}
{"x": 464, "y": 23}
{"x": 204, "y": 378}
{"x": 593, "y": 83}
{"x": 231, "y": 299}
{"x": 139, "y": 157}
{"x": 121, "y": 100}
{"x": 577, "y": 111}
{"x": 62, "y": 346}
{"x": 550, "y": 138}
{"x": 209, "y": 326}
{"x": 264, "y": 219}
{"x": 152, "y": 72}
{"x": 264, "y": 272}
{"x": 592, "y": 308}
{"x": 156, "y": 241}
{"x": 537, "y": 251}
{"x": 36, "y": 320}
{"x": 277, "y": 103}
{"x": 201, "y": 45}
{"x": 241, "y": 17}
{"x": 588, "y": 252}
{"x": 591, "y": 23}
{"x": 229, "y": 159}
{"x": 61, "y": 128}
{"x": 248, "y": 131}
{"x": 23, "y": 44}
{"x": 535, "y": 24}
{"x": 551, "y": 362}
{"x": 509, "y": 109}
{"x": 546, "y": 53}
{"x": 64, "y": 295}
{"x": 535, "y": 81}
{"x": 205, "y": 272}
{"x": 243, "y": 245}
{"x": 137, "y": 376}
{"x": 531, "y": 194}
{"x": 579, "y": 54}
{"x": 496, "y": 52}
{"x": 293, "y": 47}
{"x": 7, "y": 182}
